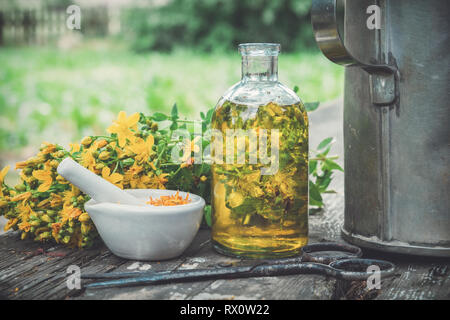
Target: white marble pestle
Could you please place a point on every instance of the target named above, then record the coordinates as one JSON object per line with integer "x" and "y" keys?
{"x": 93, "y": 185}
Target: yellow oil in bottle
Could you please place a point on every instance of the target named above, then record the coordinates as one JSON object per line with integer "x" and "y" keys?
{"x": 260, "y": 210}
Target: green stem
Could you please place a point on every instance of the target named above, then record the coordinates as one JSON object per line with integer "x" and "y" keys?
{"x": 176, "y": 172}
{"x": 185, "y": 121}
{"x": 325, "y": 158}
{"x": 168, "y": 164}
{"x": 117, "y": 165}
{"x": 160, "y": 155}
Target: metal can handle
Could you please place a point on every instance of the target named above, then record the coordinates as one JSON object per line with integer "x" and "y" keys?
{"x": 325, "y": 25}
{"x": 326, "y": 31}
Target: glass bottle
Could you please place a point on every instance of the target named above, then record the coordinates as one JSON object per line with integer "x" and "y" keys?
{"x": 260, "y": 162}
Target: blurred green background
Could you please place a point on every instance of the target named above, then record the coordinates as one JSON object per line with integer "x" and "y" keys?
{"x": 58, "y": 84}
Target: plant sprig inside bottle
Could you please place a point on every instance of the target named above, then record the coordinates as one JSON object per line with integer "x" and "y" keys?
{"x": 260, "y": 190}
{"x": 248, "y": 194}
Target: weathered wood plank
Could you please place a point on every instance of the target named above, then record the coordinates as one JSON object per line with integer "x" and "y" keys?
{"x": 289, "y": 287}
{"x": 55, "y": 286}
{"x": 269, "y": 288}
{"x": 38, "y": 274}
{"x": 198, "y": 255}
{"x": 428, "y": 280}
{"x": 25, "y": 278}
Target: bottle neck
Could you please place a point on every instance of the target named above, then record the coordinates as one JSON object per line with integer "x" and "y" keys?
{"x": 259, "y": 68}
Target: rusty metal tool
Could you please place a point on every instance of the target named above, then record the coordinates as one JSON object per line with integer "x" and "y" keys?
{"x": 340, "y": 261}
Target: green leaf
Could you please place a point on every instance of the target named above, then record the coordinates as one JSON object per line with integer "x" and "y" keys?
{"x": 312, "y": 166}
{"x": 313, "y": 202}
{"x": 331, "y": 165}
{"x": 174, "y": 112}
{"x": 311, "y": 106}
{"x": 325, "y": 143}
{"x": 208, "y": 215}
{"x": 209, "y": 115}
{"x": 248, "y": 206}
{"x": 323, "y": 181}
{"x": 314, "y": 192}
{"x": 158, "y": 116}
{"x": 296, "y": 89}
{"x": 202, "y": 115}
{"x": 174, "y": 126}
{"x": 323, "y": 154}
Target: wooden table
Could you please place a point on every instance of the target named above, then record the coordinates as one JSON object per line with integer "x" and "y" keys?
{"x": 30, "y": 270}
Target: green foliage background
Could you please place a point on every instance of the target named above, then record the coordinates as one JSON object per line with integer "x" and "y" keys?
{"x": 212, "y": 25}
{"x": 47, "y": 93}
{"x": 177, "y": 51}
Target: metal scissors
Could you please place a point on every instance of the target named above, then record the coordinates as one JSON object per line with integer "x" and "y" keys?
{"x": 340, "y": 261}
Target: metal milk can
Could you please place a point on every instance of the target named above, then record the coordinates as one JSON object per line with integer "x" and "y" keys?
{"x": 396, "y": 119}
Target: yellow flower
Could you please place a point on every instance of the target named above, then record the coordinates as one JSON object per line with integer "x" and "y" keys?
{"x": 161, "y": 180}
{"x": 2, "y": 178}
{"x": 69, "y": 194}
{"x": 22, "y": 164}
{"x": 102, "y": 143}
{"x": 43, "y": 203}
{"x": 25, "y": 226}
{"x": 61, "y": 180}
{"x": 74, "y": 147}
{"x": 88, "y": 160}
{"x": 152, "y": 165}
{"x": 55, "y": 230}
{"x": 10, "y": 224}
{"x": 25, "y": 211}
{"x": 140, "y": 182}
{"x": 256, "y": 192}
{"x": 52, "y": 163}
{"x": 84, "y": 217}
{"x": 274, "y": 109}
{"x": 48, "y": 148}
{"x": 187, "y": 163}
{"x": 252, "y": 177}
{"x": 114, "y": 178}
{"x": 132, "y": 173}
{"x": 87, "y": 157}
{"x": 135, "y": 169}
{"x": 119, "y": 151}
{"x": 85, "y": 228}
{"x": 46, "y": 177}
{"x": 86, "y": 141}
{"x": 25, "y": 178}
{"x": 69, "y": 213}
{"x": 285, "y": 183}
{"x": 142, "y": 148}
{"x": 55, "y": 200}
{"x": 104, "y": 155}
{"x": 235, "y": 199}
{"x": 23, "y": 196}
{"x": 122, "y": 127}
{"x": 190, "y": 146}
{"x": 30, "y": 162}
